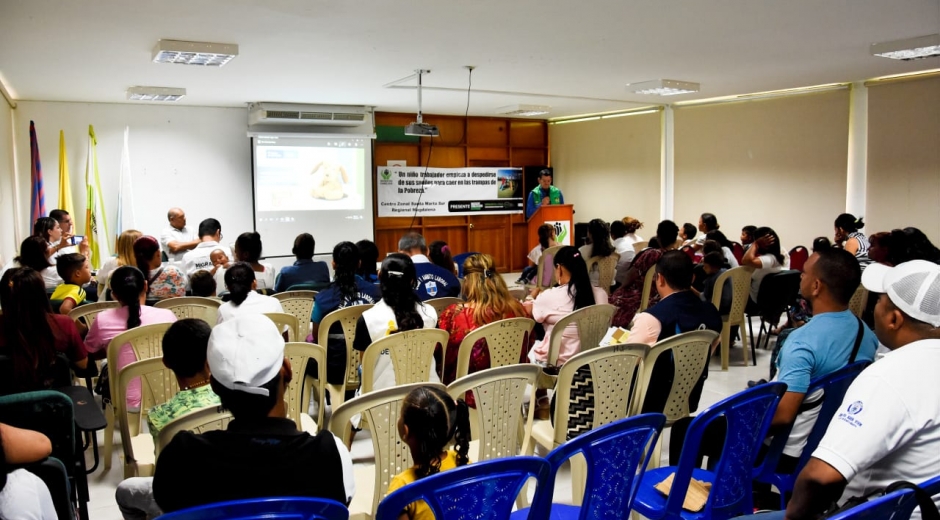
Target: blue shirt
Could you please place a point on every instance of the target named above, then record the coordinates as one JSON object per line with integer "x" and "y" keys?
{"x": 435, "y": 282}
{"x": 302, "y": 272}
{"x": 331, "y": 299}
{"x": 533, "y": 204}
{"x": 821, "y": 347}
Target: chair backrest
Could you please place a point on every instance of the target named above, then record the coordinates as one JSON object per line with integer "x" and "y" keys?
{"x": 459, "y": 260}
{"x": 647, "y": 289}
{"x": 505, "y": 341}
{"x": 282, "y": 320}
{"x": 592, "y": 323}
{"x": 798, "y": 256}
{"x": 859, "y": 301}
{"x": 293, "y": 508}
{"x": 615, "y": 455}
{"x": 607, "y": 269}
{"x": 50, "y": 413}
{"x": 894, "y": 506}
{"x": 205, "y": 309}
{"x": 737, "y": 250}
{"x": 297, "y": 395}
{"x": 639, "y": 246}
{"x": 498, "y": 395}
{"x": 347, "y": 318}
{"x": 748, "y": 415}
{"x": 380, "y": 412}
{"x": 740, "y": 291}
{"x": 690, "y": 353}
{"x": 300, "y": 304}
{"x": 777, "y": 292}
{"x": 145, "y": 340}
{"x": 604, "y": 392}
{"x": 157, "y": 385}
{"x": 315, "y": 287}
{"x": 88, "y": 312}
{"x": 545, "y": 275}
{"x": 203, "y": 420}
{"x": 481, "y": 490}
{"x": 411, "y": 353}
{"x": 439, "y": 304}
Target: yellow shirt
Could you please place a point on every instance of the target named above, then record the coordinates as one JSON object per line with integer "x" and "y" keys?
{"x": 419, "y": 510}
{"x": 69, "y": 291}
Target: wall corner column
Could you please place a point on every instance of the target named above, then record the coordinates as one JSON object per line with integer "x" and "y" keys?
{"x": 856, "y": 185}
{"x": 667, "y": 170}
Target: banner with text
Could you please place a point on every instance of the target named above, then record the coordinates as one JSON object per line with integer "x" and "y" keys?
{"x": 448, "y": 191}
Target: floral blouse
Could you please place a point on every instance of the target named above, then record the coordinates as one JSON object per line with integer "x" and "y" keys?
{"x": 167, "y": 282}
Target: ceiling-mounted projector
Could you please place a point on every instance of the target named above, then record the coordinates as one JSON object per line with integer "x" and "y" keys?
{"x": 420, "y": 128}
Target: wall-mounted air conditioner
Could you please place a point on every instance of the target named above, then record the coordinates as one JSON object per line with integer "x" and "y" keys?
{"x": 310, "y": 115}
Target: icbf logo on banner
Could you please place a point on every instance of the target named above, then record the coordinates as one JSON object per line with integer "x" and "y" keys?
{"x": 562, "y": 231}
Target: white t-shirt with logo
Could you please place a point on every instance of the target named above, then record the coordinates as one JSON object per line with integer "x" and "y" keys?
{"x": 888, "y": 426}
{"x": 198, "y": 258}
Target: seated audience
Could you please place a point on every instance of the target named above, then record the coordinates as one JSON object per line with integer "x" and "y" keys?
{"x": 176, "y": 239}
{"x": 248, "y": 249}
{"x": 726, "y": 246}
{"x": 398, "y": 310}
{"x": 124, "y": 255}
{"x": 633, "y": 225}
{"x": 433, "y": 281}
{"x": 706, "y": 224}
{"x": 747, "y": 236}
{"x": 764, "y": 256}
{"x": 203, "y": 284}
{"x": 163, "y": 281}
{"x": 487, "y": 300}
{"x": 129, "y": 288}
{"x": 430, "y": 421}
{"x": 902, "y": 245}
{"x": 713, "y": 266}
{"x": 440, "y": 255}
{"x": 598, "y": 246}
{"x": 627, "y": 297}
{"x": 210, "y": 233}
{"x": 368, "y": 260}
{"x": 241, "y": 284}
{"x": 75, "y": 272}
{"x": 65, "y": 244}
{"x": 687, "y": 234}
{"x": 31, "y": 335}
{"x": 546, "y": 234}
{"x": 885, "y": 429}
{"x": 50, "y": 231}
{"x": 23, "y": 495}
{"x": 304, "y": 270}
{"x": 261, "y": 453}
{"x": 622, "y": 245}
{"x": 347, "y": 289}
{"x": 34, "y": 253}
{"x": 184, "y": 352}
{"x": 848, "y": 236}
{"x": 821, "y": 243}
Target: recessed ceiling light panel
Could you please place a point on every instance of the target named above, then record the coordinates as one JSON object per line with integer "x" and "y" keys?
{"x": 524, "y": 110}
{"x": 194, "y": 53}
{"x": 910, "y": 49}
{"x": 663, "y": 87}
{"x": 155, "y": 93}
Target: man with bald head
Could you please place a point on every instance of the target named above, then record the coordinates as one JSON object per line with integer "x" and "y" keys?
{"x": 177, "y": 239}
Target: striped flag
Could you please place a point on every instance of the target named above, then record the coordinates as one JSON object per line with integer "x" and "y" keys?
{"x": 125, "y": 207}
{"x": 96, "y": 222}
{"x": 37, "y": 197}
{"x": 65, "y": 186}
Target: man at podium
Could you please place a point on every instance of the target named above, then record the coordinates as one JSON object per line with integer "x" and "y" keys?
{"x": 544, "y": 193}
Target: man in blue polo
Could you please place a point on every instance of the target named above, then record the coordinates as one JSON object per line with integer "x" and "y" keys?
{"x": 544, "y": 193}
{"x": 433, "y": 281}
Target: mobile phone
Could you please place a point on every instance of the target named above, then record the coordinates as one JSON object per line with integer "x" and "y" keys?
{"x": 77, "y": 239}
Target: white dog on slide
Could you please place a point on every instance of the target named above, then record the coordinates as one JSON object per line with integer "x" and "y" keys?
{"x": 327, "y": 180}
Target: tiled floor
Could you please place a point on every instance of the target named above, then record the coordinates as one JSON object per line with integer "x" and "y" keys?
{"x": 718, "y": 386}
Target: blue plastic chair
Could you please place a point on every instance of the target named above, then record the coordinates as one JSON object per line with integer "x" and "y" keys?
{"x": 893, "y": 506}
{"x": 484, "y": 490}
{"x": 459, "y": 259}
{"x": 615, "y": 454}
{"x": 748, "y": 415}
{"x": 834, "y": 387}
{"x": 286, "y": 508}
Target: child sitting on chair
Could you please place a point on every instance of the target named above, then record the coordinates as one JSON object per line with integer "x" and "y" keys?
{"x": 75, "y": 272}
{"x": 429, "y": 420}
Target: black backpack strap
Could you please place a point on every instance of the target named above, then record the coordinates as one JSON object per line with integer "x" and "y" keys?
{"x": 928, "y": 509}
{"x": 858, "y": 340}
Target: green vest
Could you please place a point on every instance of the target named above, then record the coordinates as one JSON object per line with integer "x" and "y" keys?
{"x": 554, "y": 195}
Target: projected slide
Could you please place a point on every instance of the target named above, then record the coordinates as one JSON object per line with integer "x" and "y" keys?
{"x": 310, "y": 176}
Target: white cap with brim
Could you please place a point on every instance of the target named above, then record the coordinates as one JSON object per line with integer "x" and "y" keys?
{"x": 913, "y": 287}
{"x": 245, "y": 353}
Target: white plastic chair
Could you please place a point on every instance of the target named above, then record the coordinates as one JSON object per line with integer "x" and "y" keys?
{"x": 286, "y": 321}
{"x": 411, "y": 353}
{"x": 203, "y": 420}
{"x": 158, "y": 385}
{"x": 300, "y": 304}
{"x": 741, "y": 291}
{"x": 347, "y": 318}
{"x": 298, "y": 391}
{"x": 505, "y": 341}
{"x": 205, "y": 309}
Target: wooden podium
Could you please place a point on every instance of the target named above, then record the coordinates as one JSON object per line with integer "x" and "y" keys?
{"x": 552, "y": 213}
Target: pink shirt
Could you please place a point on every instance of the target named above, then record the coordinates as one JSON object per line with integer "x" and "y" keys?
{"x": 112, "y": 322}
{"x": 550, "y": 306}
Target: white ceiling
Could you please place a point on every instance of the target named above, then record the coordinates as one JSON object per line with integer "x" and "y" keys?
{"x": 343, "y": 52}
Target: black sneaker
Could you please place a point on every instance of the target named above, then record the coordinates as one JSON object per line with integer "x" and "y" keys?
{"x": 752, "y": 384}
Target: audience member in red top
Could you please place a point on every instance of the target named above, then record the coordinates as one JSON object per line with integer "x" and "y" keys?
{"x": 32, "y": 335}
{"x": 488, "y": 300}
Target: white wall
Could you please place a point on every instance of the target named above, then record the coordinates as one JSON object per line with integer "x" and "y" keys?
{"x": 8, "y": 245}
{"x": 197, "y": 158}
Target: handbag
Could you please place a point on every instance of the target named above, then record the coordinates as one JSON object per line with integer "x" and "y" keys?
{"x": 928, "y": 509}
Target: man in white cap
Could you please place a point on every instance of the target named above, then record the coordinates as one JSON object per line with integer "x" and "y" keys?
{"x": 261, "y": 454}
{"x": 887, "y": 426}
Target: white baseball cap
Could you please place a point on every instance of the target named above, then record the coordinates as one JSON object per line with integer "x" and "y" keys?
{"x": 245, "y": 353}
{"x": 913, "y": 287}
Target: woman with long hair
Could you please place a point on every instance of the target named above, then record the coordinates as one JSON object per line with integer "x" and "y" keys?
{"x": 849, "y": 236}
{"x": 487, "y": 300}
{"x": 163, "y": 281}
{"x": 244, "y": 298}
{"x": 399, "y": 310}
{"x": 707, "y": 223}
{"x": 31, "y": 335}
{"x": 546, "y": 234}
{"x": 368, "y": 257}
{"x": 34, "y": 253}
{"x": 346, "y": 289}
{"x": 123, "y": 255}
{"x": 248, "y": 249}
{"x": 49, "y": 229}
{"x": 129, "y": 288}
{"x": 599, "y": 246}
{"x": 627, "y": 297}
{"x": 440, "y": 255}
{"x": 765, "y": 257}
